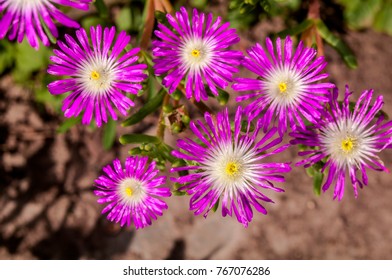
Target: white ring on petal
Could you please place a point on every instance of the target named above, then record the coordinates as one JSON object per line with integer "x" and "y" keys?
{"x": 137, "y": 188}
{"x": 215, "y": 167}
{"x": 204, "y": 57}
{"x": 335, "y": 133}
{"x": 106, "y": 69}
{"x": 24, "y": 5}
{"x": 294, "y": 87}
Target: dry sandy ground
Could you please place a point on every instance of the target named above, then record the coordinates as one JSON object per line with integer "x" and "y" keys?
{"x": 48, "y": 211}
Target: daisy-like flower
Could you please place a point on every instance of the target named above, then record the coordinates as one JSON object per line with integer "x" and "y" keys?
{"x": 348, "y": 140}
{"x": 285, "y": 90}
{"x": 99, "y": 75}
{"x": 197, "y": 50}
{"x": 27, "y": 17}
{"x": 132, "y": 192}
{"x": 230, "y": 166}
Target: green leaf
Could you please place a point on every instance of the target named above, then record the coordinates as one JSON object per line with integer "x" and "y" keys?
{"x": 317, "y": 181}
{"x": 199, "y": 4}
{"x": 300, "y": 28}
{"x": 383, "y": 20}
{"x": 124, "y": 19}
{"x": 161, "y": 18}
{"x": 178, "y": 193}
{"x": 135, "y": 151}
{"x": 92, "y": 21}
{"x": 223, "y": 97}
{"x": 338, "y": 44}
{"x": 42, "y": 95}
{"x": 109, "y": 134}
{"x": 138, "y": 138}
{"x": 151, "y": 106}
{"x": 52, "y": 39}
{"x": 311, "y": 171}
{"x": 165, "y": 150}
{"x": 360, "y": 13}
{"x": 101, "y": 8}
{"x": 7, "y": 55}
{"x": 68, "y": 123}
{"x": 29, "y": 60}
{"x": 216, "y": 205}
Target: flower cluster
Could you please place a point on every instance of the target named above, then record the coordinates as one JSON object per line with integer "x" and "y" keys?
{"x": 224, "y": 162}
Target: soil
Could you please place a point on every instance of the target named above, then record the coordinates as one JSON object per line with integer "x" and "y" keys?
{"x": 48, "y": 210}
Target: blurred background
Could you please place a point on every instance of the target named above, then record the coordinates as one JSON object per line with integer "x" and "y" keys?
{"x": 48, "y": 164}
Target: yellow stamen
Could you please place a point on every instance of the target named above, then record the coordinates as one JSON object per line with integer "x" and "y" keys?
{"x": 282, "y": 87}
{"x": 195, "y": 53}
{"x": 348, "y": 144}
{"x": 95, "y": 75}
{"x": 232, "y": 168}
{"x": 128, "y": 191}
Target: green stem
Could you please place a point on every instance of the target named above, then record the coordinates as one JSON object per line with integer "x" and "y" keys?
{"x": 161, "y": 124}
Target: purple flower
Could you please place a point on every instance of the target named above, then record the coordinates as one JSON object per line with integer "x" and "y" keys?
{"x": 99, "y": 75}
{"x": 132, "y": 192}
{"x": 348, "y": 140}
{"x": 285, "y": 89}
{"x": 197, "y": 50}
{"x": 21, "y": 17}
{"x": 229, "y": 165}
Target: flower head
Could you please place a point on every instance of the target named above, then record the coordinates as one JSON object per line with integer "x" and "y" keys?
{"x": 347, "y": 140}
{"x": 132, "y": 192}
{"x": 285, "y": 89}
{"x": 229, "y": 166}
{"x": 197, "y": 50}
{"x": 27, "y": 17}
{"x": 99, "y": 75}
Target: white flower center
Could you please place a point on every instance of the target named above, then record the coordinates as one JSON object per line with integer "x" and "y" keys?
{"x": 229, "y": 167}
{"x": 23, "y": 5}
{"x": 196, "y": 53}
{"x": 96, "y": 75}
{"x": 347, "y": 142}
{"x": 283, "y": 87}
{"x": 131, "y": 191}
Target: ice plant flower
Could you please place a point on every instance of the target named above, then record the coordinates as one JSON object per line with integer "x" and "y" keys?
{"x": 286, "y": 88}
{"x": 197, "y": 50}
{"x": 347, "y": 140}
{"x": 21, "y": 17}
{"x": 133, "y": 192}
{"x": 229, "y": 165}
{"x": 99, "y": 76}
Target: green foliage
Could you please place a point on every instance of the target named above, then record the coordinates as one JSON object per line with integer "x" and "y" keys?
{"x": 368, "y": 13}
{"x": 28, "y": 61}
{"x": 68, "y": 123}
{"x": 7, "y": 55}
{"x": 243, "y": 14}
{"x": 314, "y": 171}
{"x": 129, "y": 18}
{"x": 101, "y": 8}
{"x": 92, "y": 21}
{"x": 199, "y": 4}
{"x": 109, "y": 134}
{"x": 150, "y": 107}
{"x": 298, "y": 29}
{"x": 338, "y": 44}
